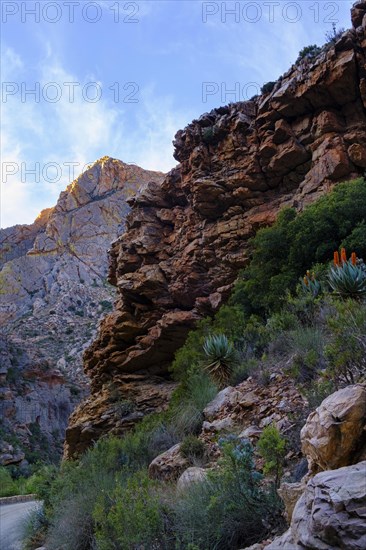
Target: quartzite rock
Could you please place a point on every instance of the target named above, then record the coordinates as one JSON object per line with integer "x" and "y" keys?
{"x": 331, "y": 514}
{"x": 186, "y": 240}
{"x": 335, "y": 433}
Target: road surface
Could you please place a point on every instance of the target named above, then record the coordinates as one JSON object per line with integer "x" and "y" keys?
{"x": 12, "y": 520}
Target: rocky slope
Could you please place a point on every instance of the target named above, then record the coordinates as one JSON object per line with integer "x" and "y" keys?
{"x": 186, "y": 239}
{"x": 53, "y": 292}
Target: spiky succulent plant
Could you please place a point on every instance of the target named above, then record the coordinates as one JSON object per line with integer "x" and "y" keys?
{"x": 221, "y": 358}
{"x": 348, "y": 279}
{"x": 310, "y": 284}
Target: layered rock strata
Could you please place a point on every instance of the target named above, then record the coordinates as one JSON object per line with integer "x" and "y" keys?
{"x": 186, "y": 239}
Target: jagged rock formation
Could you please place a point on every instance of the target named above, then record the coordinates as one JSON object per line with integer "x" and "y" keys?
{"x": 244, "y": 410}
{"x": 335, "y": 434}
{"x": 53, "y": 292}
{"x": 330, "y": 513}
{"x": 186, "y": 239}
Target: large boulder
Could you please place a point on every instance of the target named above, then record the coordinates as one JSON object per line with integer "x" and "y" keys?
{"x": 190, "y": 476}
{"x": 335, "y": 433}
{"x": 169, "y": 465}
{"x": 331, "y": 514}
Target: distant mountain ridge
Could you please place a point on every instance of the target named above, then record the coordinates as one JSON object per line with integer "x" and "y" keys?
{"x": 53, "y": 291}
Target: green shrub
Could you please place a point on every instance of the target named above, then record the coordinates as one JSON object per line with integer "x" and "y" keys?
{"x": 131, "y": 517}
{"x": 268, "y": 87}
{"x": 106, "y": 305}
{"x": 282, "y": 253}
{"x": 220, "y": 358}
{"x": 35, "y": 529}
{"x": 208, "y": 135}
{"x": 309, "y": 52}
{"x": 192, "y": 448}
{"x": 345, "y": 350}
{"x": 242, "y": 371}
{"x": 356, "y": 240}
{"x": 333, "y": 35}
{"x": 191, "y": 354}
{"x": 272, "y": 447}
{"x": 228, "y": 510}
{"x": 307, "y": 346}
{"x": 318, "y": 390}
{"x": 7, "y": 485}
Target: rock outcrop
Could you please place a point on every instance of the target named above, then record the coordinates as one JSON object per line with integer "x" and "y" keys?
{"x": 242, "y": 411}
{"x": 186, "y": 239}
{"x": 335, "y": 434}
{"x": 53, "y": 292}
{"x": 330, "y": 513}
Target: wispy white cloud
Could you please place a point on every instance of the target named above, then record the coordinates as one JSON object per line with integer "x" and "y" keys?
{"x": 76, "y": 132}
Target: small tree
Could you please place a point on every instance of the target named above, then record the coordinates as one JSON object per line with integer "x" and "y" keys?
{"x": 272, "y": 447}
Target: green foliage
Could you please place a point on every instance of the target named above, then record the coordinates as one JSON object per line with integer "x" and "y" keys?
{"x": 356, "y": 241}
{"x": 283, "y": 252}
{"x": 309, "y": 284}
{"x": 268, "y": 87}
{"x": 333, "y": 35}
{"x": 35, "y": 529}
{"x": 306, "y": 345}
{"x": 11, "y": 483}
{"x": 208, "y": 135}
{"x": 346, "y": 348}
{"x": 272, "y": 447}
{"x": 191, "y": 354}
{"x": 228, "y": 510}
{"x": 309, "y": 52}
{"x": 106, "y": 305}
{"x": 229, "y": 320}
{"x": 7, "y": 486}
{"x": 221, "y": 358}
{"x": 106, "y": 500}
{"x": 134, "y": 517}
{"x": 192, "y": 447}
{"x": 318, "y": 390}
{"x": 348, "y": 280}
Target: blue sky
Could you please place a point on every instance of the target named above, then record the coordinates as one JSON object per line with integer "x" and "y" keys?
{"x": 119, "y": 78}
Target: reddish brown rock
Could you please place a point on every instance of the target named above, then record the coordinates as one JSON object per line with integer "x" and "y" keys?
{"x": 186, "y": 240}
{"x": 357, "y": 154}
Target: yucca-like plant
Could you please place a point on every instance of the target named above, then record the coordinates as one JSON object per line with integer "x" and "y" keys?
{"x": 221, "y": 358}
{"x": 310, "y": 284}
{"x": 348, "y": 277}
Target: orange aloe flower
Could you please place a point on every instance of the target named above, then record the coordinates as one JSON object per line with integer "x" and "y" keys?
{"x": 336, "y": 259}
{"x": 306, "y": 282}
{"x": 343, "y": 255}
{"x": 353, "y": 258}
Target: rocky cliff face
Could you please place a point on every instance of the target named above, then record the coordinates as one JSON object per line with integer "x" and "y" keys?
{"x": 53, "y": 292}
{"x": 186, "y": 239}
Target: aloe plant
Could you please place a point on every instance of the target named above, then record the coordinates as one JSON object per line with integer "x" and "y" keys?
{"x": 310, "y": 284}
{"x": 348, "y": 279}
{"x": 221, "y": 358}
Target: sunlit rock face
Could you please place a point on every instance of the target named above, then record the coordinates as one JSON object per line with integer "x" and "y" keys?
{"x": 53, "y": 293}
{"x": 186, "y": 239}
